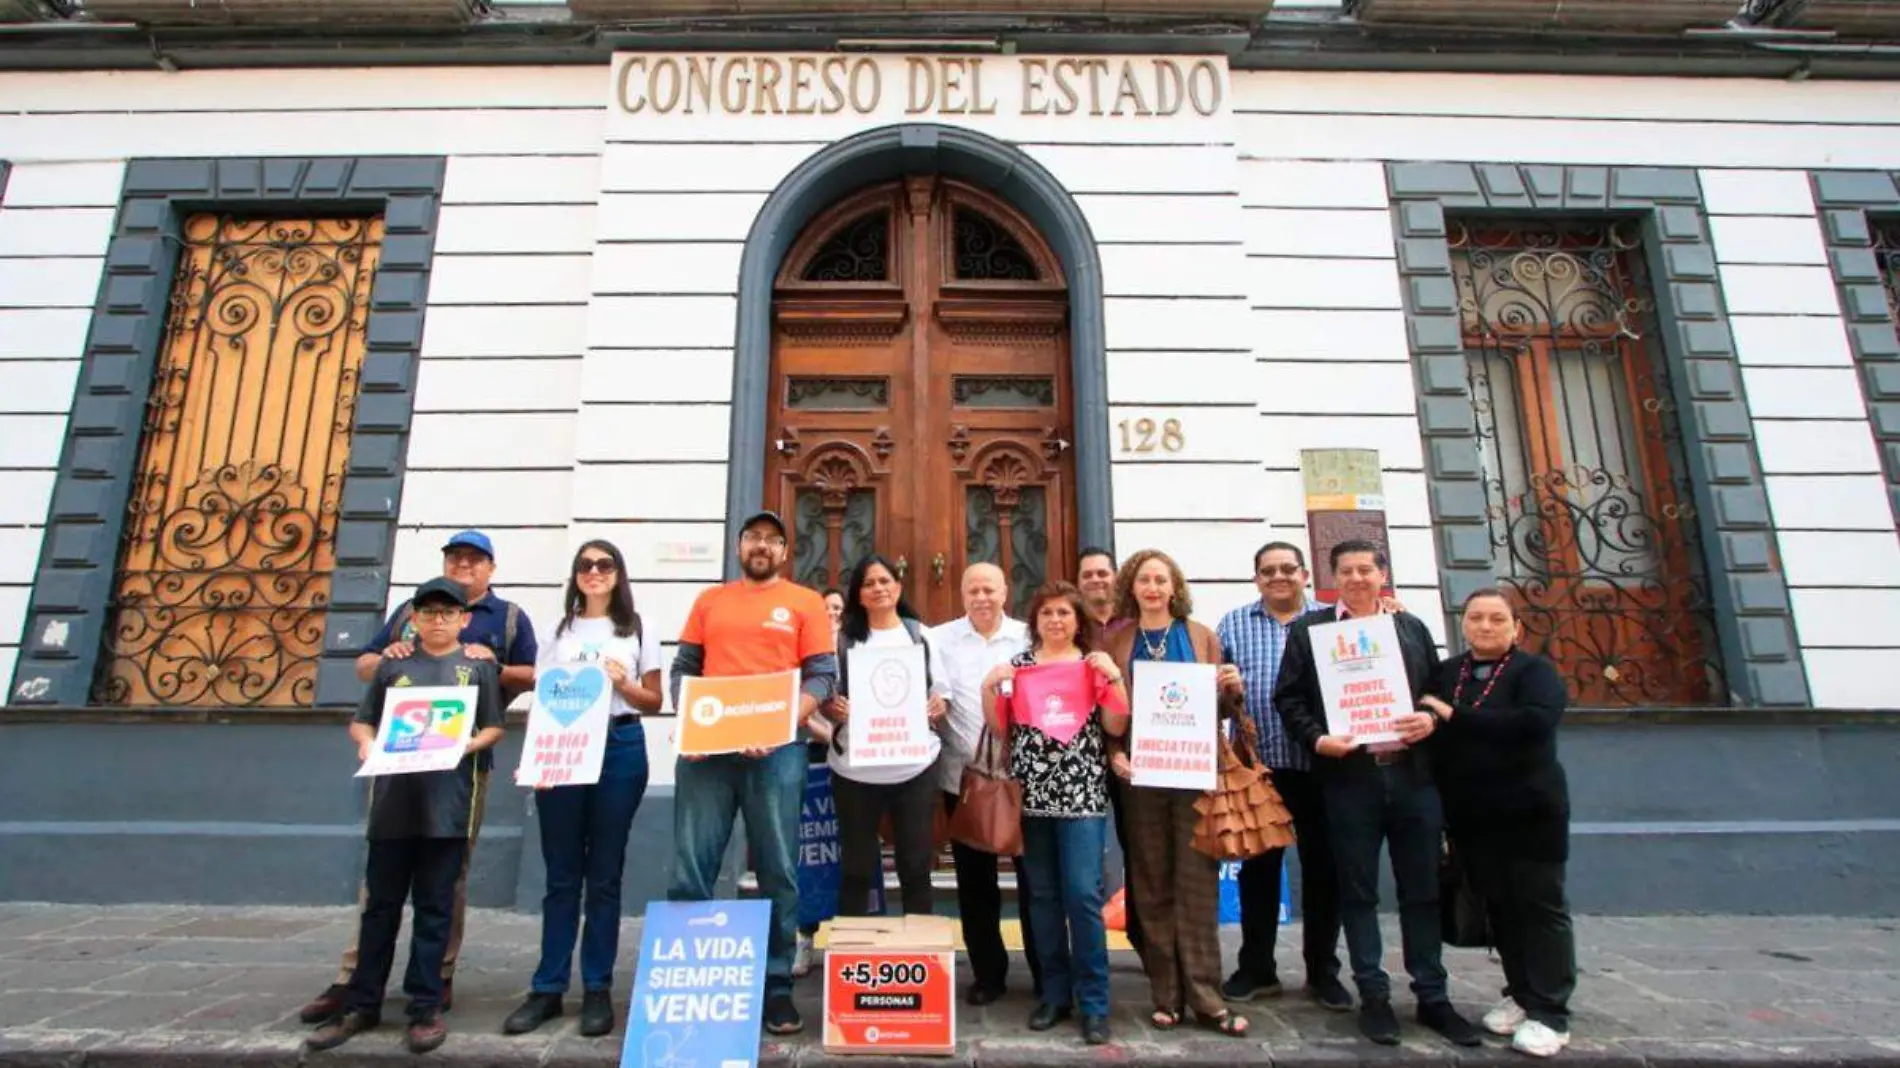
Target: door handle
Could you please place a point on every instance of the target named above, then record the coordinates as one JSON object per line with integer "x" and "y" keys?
{"x": 903, "y": 568}
{"x": 936, "y": 567}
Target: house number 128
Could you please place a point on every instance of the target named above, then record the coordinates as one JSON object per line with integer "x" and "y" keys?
{"x": 1147, "y": 435}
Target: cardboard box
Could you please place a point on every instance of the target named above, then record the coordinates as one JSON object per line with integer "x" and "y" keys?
{"x": 890, "y": 985}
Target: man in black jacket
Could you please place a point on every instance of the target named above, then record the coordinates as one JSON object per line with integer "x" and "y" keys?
{"x": 1373, "y": 797}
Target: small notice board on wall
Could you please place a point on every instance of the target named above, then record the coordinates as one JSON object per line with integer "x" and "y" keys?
{"x": 1345, "y": 500}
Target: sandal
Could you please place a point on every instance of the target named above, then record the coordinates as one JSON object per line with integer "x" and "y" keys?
{"x": 1231, "y": 1024}
{"x": 1164, "y": 1019}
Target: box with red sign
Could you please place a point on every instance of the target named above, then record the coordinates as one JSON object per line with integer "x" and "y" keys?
{"x": 890, "y": 985}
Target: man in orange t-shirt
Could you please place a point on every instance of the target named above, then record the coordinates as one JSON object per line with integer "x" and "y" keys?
{"x": 758, "y": 625}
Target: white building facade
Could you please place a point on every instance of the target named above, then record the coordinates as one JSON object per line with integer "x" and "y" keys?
{"x": 602, "y": 309}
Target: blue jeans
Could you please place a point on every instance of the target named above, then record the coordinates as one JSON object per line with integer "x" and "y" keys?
{"x": 584, "y": 842}
{"x": 769, "y": 792}
{"x": 1064, "y": 857}
{"x": 1398, "y": 805}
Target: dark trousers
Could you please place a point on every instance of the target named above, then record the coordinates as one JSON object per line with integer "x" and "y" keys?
{"x": 1319, "y": 888}
{"x": 980, "y": 911}
{"x": 1397, "y": 805}
{"x": 1530, "y": 922}
{"x": 1131, "y": 920}
{"x": 422, "y": 870}
{"x": 861, "y": 809}
{"x": 584, "y": 846}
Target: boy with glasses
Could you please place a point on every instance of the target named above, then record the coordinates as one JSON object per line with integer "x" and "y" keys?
{"x": 418, "y": 826}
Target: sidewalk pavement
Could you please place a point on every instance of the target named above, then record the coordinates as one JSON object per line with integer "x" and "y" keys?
{"x": 170, "y": 987}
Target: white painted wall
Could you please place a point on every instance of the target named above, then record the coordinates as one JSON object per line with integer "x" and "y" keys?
{"x": 577, "y": 357}
{"x": 1318, "y": 142}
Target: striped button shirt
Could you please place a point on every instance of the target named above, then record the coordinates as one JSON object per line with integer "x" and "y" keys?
{"x": 1254, "y": 642}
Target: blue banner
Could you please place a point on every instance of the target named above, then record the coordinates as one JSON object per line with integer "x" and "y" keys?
{"x": 697, "y": 997}
{"x": 818, "y": 863}
{"x": 817, "y": 850}
{"x": 1230, "y": 892}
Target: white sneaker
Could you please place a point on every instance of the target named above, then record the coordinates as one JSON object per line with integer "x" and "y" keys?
{"x": 801, "y": 960}
{"x": 1539, "y": 1040}
{"x": 1504, "y": 1018}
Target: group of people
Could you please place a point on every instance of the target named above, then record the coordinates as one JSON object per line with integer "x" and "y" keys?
{"x": 1478, "y": 759}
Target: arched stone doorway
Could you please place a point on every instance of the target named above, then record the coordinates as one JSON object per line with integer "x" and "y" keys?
{"x": 920, "y": 399}
{"x": 1019, "y": 188}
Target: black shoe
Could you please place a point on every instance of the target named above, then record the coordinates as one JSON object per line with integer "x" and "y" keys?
{"x": 781, "y": 1016}
{"x": 1243, "y": 986}
{"x": 983, "y": 994}
{"x": 340, "y": 1029}
{"x": 325, "y": 1006}
{"x": 426, "y": 1034}
{"x": 537, "y": 1010}
{"x": 597, "y": 1013}
{"x": 1377, "y": 1021}
{"x": 1330, "y": 993}
{"x": 1095, "y": 1030}
{"x": 1442, "y": 1018}
{"x": 1047, "y": 1016}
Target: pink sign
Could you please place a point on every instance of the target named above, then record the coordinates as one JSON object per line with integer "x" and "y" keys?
{"x": 1056, "y": 699}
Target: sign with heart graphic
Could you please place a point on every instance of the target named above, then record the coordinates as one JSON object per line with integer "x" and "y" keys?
{"x": 567, "y": 726}
{"x": 567, "y": 695}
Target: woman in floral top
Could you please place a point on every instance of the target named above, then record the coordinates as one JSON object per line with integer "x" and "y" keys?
{"x": 1064, "y": 774}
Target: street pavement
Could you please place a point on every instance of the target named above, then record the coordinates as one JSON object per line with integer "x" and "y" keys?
{"x": 170, "y": 987}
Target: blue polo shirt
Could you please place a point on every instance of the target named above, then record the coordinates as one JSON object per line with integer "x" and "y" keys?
{"x": 487, "y": 625}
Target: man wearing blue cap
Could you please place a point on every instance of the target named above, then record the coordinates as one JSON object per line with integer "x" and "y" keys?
{"x": 496, "y": 630}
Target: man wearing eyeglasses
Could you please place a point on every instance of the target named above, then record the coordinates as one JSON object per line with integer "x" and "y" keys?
{"x": 760, "y": 624}
{"x": 1254, "y": 636}
{"x": 495, "y": 630}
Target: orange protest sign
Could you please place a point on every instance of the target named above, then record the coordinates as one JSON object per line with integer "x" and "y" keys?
{"x": 735, "y": 712}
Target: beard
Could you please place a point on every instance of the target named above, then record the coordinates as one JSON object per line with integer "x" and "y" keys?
{"x": 759, "y": 566}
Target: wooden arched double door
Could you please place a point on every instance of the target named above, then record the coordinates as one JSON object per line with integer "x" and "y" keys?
{"x": 921, "y": 403}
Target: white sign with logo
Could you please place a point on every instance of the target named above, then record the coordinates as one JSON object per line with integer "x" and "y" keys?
{"x": 890, "y": 724}
{"x": 567, "y": 726}
{"x": 423, "y": 728}
{"x": 1362, "y": 677}
{"x": 1175, "y": 727}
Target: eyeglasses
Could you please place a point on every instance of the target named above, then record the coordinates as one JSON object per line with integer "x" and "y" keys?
{"x": 438, "y": 615}
{"x": 1270, "y": 570}
{"x": 760, "y": 537}
{"x": 601, "y": 566}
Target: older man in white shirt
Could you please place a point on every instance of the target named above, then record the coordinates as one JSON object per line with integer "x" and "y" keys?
{"x": 971, "y": 647}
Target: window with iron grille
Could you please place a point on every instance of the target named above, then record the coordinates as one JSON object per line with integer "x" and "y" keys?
{"x": 1592, "y": 522}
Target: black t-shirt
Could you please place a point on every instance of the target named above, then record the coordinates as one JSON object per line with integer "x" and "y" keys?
{"x": 434, "y": 804}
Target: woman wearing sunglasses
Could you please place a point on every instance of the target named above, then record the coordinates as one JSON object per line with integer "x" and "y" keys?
{"x": 584, "y": 828}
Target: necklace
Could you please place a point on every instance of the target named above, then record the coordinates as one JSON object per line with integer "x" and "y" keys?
{"x": 1464, "y": 676}
{"x": 1157, "y": 649}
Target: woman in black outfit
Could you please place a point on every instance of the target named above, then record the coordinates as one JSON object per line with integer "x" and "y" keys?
{"x": 1507, "y": 809}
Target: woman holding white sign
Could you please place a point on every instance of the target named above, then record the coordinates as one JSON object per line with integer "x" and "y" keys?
{"x": 885, "y": 768}
{"x": 584, "y": 828}
{"x": 1177, "y": 888}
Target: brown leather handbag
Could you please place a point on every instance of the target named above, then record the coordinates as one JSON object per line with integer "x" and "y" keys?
{"x": 989, "y": 813}
{"x": 1243, "y": 816}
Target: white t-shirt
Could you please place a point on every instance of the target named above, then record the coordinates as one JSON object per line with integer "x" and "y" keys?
{"x": 594, "y": 639}
{"x": 896, "y": 773}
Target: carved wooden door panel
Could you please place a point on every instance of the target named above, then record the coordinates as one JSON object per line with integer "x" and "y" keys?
{"x": 841, "y": 391}
{"x": 921, "y": 403}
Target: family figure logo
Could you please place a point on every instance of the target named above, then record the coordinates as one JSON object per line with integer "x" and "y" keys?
{"x": 1174, "y": 696}
{"x": 1346, "y": 650}
{"x": 423, "y": 726}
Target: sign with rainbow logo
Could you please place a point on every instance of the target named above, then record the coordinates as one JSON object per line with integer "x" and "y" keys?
{"x": 424, "y": 728}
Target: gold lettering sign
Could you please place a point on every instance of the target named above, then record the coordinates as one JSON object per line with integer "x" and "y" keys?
{"x": 737, "y": 84}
